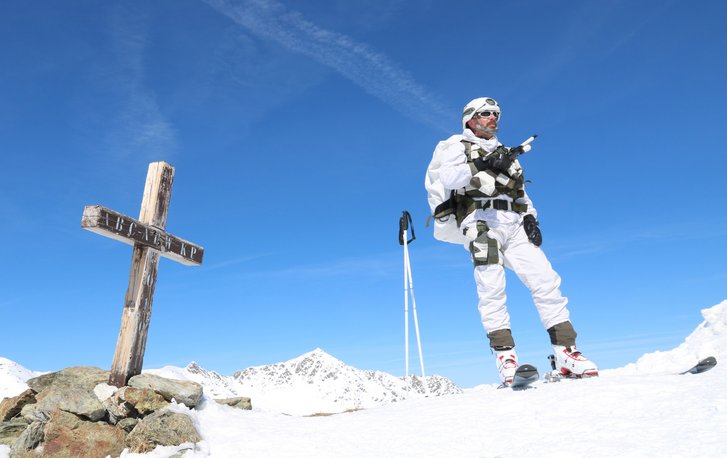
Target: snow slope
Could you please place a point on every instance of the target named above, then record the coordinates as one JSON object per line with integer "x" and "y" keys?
{"x": 13, "y": 377}
{"x": 637, "y": 411}
{"x": 708, "y": 339}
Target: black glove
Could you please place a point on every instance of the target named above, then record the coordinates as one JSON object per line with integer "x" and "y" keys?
{"x": 531, "y": 228}
{"x": 497, "y": 162}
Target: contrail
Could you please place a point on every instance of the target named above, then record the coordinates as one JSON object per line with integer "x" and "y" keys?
{"x": 371, "y": 70}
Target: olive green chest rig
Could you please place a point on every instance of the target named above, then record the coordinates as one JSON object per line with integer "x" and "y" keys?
{"x": 510, "y": 183}
{"x": 462, "y": 202}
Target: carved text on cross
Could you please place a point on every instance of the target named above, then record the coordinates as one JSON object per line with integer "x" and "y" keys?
{"x": 131, "y": 231}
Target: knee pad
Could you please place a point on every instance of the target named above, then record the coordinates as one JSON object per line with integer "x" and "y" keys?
{"x": 484, "y": 250}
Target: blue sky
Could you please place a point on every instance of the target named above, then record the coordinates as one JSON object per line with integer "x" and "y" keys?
{"x": 299, "y": 132}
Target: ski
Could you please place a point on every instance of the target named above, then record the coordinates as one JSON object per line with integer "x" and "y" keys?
{"x": 702, "y": 366}
{"x": 524, "y": 376}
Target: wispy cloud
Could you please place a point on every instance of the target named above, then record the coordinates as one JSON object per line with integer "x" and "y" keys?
{"x": 235, "y": 261}
{"x": 140, "y": 128}
{"x": 374, "y": 72}
{"x": 617, "y": 238}
{"x": 375, "y": 265}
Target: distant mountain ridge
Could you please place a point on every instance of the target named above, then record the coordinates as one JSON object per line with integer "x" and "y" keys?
{"x": 316, "y": 382}
{"x": 320, "y": 375}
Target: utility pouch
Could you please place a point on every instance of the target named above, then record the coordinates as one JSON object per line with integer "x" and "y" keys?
{"x": 446, "y": 208}
{"x": 465, "y": 206}
{"x": 484, "y": 250}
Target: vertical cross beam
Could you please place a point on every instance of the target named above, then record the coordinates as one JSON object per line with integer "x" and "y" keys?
{"x": 129, "y": 354}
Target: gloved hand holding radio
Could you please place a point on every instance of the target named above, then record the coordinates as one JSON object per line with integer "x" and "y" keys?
{"x": 498, "y": 161}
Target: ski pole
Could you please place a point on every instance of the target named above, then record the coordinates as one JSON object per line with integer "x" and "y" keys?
{"x": 404, "y": 223}
{"x": 403, "y": 226}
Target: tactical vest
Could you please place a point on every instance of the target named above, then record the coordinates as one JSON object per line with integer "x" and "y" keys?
{"x": 468, "y": 199}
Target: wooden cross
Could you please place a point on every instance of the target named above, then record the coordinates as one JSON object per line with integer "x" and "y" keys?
{"x": 150, "y": 241}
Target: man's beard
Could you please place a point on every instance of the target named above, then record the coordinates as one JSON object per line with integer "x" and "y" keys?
{"x": 484, "y": 129}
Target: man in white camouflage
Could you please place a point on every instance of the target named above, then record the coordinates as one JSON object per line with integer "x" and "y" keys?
{"x": 498, "y": 225}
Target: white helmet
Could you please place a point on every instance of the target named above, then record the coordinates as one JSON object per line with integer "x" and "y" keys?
{"x": 476, "y": 106}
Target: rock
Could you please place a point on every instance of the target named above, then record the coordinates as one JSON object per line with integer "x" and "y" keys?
{"x": 29, "y": 439}
{"x": 183, "y": 391}
{"x": 11, "y": 407}
{"x": 31, "y": 413}
{"x": 127, "y": 424}
{"x": 70, "y": 398}
{"x": 12, "y": 429}
{"x": 59, "y": 415}
{"x": 133, "y": 402}
{"x": 162, "y": 428}
{"x": 86, "y": 376}
{"x": 71, "y": 390}
{"x": 68, "y": 436}
{"x": 118, "y": 408}
{"x": 41, "y": 382}
{"x": 144, "y": 400}
{"x": 238, "y": 403}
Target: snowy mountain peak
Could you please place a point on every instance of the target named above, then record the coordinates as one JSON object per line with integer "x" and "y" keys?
{"x": 194, "y": 368}
{"x": 308, "y": 367}
{"x": 319, "y": 356}
{"x": 315, "y": 352}
{"x": 315, "y": 362}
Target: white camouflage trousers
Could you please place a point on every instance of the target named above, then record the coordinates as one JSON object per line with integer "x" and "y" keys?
{"x": 522, "y": 257}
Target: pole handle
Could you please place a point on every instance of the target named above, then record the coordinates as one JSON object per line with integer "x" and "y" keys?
{"x": 404, "y": 223}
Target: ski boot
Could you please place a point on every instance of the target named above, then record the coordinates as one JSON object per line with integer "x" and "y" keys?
{"x": 506, "y": 360}
{"x": 569, "y": 362}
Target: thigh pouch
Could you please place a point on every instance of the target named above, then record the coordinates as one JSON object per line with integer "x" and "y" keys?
{"x": 484, "y": 250}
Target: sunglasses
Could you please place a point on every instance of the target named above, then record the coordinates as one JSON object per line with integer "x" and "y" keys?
{"x": 486, "y": 114}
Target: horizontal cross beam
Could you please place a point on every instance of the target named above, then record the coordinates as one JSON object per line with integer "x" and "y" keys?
{"x": 109, "y": 223}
